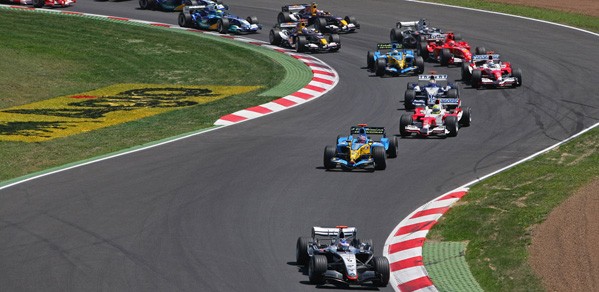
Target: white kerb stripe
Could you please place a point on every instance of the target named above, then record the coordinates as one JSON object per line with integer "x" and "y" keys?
{"x": 405, "y": 254}
{"x": 295, "y": 99}
{"x": 409, "y": 274}
{"x": 273, "y": 106}
{"x": 427, "y": 289}
{"x": 247, "y": 114}
{"x": 421, "y": 219}
{"x": 406, "y": 237}
{"x": 310, "y": 91}
{"x": 440, "y": 204}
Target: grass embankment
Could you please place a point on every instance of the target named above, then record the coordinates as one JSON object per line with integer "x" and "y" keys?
{"x": 577, "y": 20}
{"x": 497, "y": 215}
{"x": 47, "y": 55}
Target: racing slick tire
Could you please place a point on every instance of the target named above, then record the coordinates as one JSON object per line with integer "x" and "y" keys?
{"x": 380, "y": 67}
{"x": 476, "y": 79}
{"x": 410, "y": 85}
{"x": 351, "y": 19}
{"x": 300, "y": 44}
{"x": 451, "y": 123}
{"x": 316, "y": 269}
{"x": 480, "y": 50}
{"x": 392, "y": 150}
{"x": 419, "y": 62}
{"x": 184, "y": 20}
{"x": 452, "y": 93}
{"x": 408, "y": 99}
{"x": 395, "y": 36}
{"x": 38, "y": 3}
{"x": 283, "y": 17}
{"x": 466, "y": 75}
{"x": 274, "y": 37}
{"x": 422, "y": 49}
{"x": 222, "y": 26}
{"x": 252, "y": 19}
{"x": 301, "y": 250}
{"x": 334, "y": 38}
{"x": 370, "y": 60}
{"x": 320, "y": 24}
{"x": 143, "y": 4}
{"x": 381, "y": 269}
{"x": 404, "y": 120}
{"x": 517, "y": 73}
{"x": 378, "y": 154}
{"x": 466, "y": 117}
{"x": 445, "y": 57}
{"x": 329, "y": 153}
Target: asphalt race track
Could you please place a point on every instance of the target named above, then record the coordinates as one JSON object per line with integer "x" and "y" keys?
{"x": 222, "y": 211}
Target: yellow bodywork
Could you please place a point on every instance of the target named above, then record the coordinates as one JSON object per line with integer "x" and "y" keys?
{"x": 344, "y": 22}
{"x": 394, "y": 62}
{"x": 323, "y": 41}
{"x": 354, "y": 155}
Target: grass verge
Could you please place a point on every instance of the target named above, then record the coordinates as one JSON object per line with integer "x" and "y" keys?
{"x": 573, "y": 19}
{"x": 44, "y": 55}
{"x": 497, "y": 215}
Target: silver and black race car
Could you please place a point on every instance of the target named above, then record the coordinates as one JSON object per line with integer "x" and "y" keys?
{"x": 302, "y": 38}
{"x": 411, "y": 33}
{"x": 335, "y": 256}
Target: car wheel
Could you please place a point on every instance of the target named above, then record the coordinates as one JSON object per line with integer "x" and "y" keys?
{"x": 274, "y": 37}
{"x": 329, "y": 153}
{"x": 223, "y": 26}
{"x": 300, "y": 44}
{"x": 381, "y": 269}
{"x": 466, "y": 72}
{"x": 466, "y": 117}
{"x": 452, "y": 93}
{"x": 419, "y": 61}
{"x": 378, "y": 154}
{"x": 395, "y": 36}
{"x": 408, "y": 99}
{"x": 320, "y": 24}
{"x": 423, "y": 50}
{"x": 317, "y": 267}
{"x": 404, "y": 120}
{"x": 480, "y": 51}
{"x": 477, "y": 77}
{"x": 451, "y": 123}
{"x": 40, "y": 3}
{"x": 143, "y": 4}
{"x": 252, "y": 19}
{"x": 301, "y": 250}
{"x": 283, "y": 17}
{"x": 184, "y": 20}
{"x": 334, "y": 38}
{"x": 381, "y": 66}
{"x": 518, "y": 75}
{"x": 392, "y": 150}
{"x": 445, "y": 57}
{"x": 370, "y": 60}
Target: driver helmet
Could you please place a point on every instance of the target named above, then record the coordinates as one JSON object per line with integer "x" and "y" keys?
{"x": 343, "y": 244}
{"x": 362, "y": 138}
{"x": 313, "y": 8}
{"x": 395, "y": 52}
{"x": 451, "y": 43}
{"x": 436, "y": 109}
{"x": 432, "y": 80}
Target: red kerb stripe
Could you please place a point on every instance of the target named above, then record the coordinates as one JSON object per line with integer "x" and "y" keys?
{"x": 284, "y": 102}
{"x": 415, "y": 227}
{"x": 321, "y": 80}
{"x": 416, "y": 284}
{"x": 160, "y": 24}
{"x": 233, "y": 118}
{"x": 456, "y": 195}
{"x": 440, "y": 210}
{"x": 259, "y": 109}
{"x": 412, "y": 243}
{"x": 315, "y": 88}
{"x": 407, "y": 263}
{"x": 323, "y": 72}
{"x": 302, "y": 95}
{"x": 118, "y": 18}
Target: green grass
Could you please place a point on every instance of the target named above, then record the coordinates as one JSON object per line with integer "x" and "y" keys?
{"x": 46, "y": 55}
{"x": 497, "y": 215}
{"x": 573, "y": 19}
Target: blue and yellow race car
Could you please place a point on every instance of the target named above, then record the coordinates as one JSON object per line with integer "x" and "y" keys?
{"x": 392, "y": 59}
{"x": 360, "y": 150}
{"x": 216, "y": 17}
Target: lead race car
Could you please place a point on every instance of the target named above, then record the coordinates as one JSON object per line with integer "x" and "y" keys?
{"x": 489, "y": 71}
{"x": 336, "y": 256}
{"x": 410, "y": 33}
{"x": 360, "y": 150}
{"x": 442, "y": 119}
{"x": 322, "y": 20}
{"x": 428, "y": 90}
{"x": 216, "y": 17}
{"x": 392, "y": 59}
{"x": 303, "y": 38}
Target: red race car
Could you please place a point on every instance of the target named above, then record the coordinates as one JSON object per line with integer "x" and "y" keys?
{"x": 438, "y": 120}
{"x": 448, "y": 50}
{"x": 42, "y": 3}
{"x": 489, "y": 71}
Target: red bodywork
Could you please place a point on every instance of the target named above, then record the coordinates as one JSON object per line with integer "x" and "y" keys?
{"x": 459, "y": 51}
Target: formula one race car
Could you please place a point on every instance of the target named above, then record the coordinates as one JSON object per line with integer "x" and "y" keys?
{"x": 428, "y": 90}
{"x": 442, "y": 119}
{"x": 410, "y": 33}
{"x": 448, "y": 51}
{"x": 361, "y": 150}
{"x": 173, "y": 5}
{"x": 303, "y": 38}
{"x": 42, "y": 3}
{"x": 489, "y": 71}
{"x": 322, "y": 20}
{"x": 335, "y": 256}
{"x": 215, "y": 17}
{"x": 391, "y": 59}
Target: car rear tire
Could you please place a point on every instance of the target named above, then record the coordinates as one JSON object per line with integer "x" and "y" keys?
{"x": 477, "y": 77}
{"x": 223, "y": 26}
{"x": 419, "y": 61}
{"x": 423, "y": 50}
{"x": 381, "y": 66}
{"x": 379, "y": 156}
{"x": 445, "y": 57}
{"x": 301, "y": 250}
{"x": 392, "y": 150}
{"x": 370, "y": 60}
{"x": 300, "y": 44}
{"x": 381, "y": 269}
{"x": 466, "y": 117}
{"x": 466, "y": 75}
{"x": 320, "y": 24}
{"x": 40, "y": 3}
{"x": 329, "y": 153}
{"x": 452, "y": 93}
{"x": 184, "y": 20}
{"x": 451, "y": 123}
{"x": 480, "y": 50}
{"x": 143, "y": 4}
{"x": 252, "y": 19}
{"x": 404, "y": 120}
{"x": 518, "y": 75}
{"x": 334, "y": 38}
{"x": 274, "y": 37}
{"x": 317, "y": 267}
{"x": 283, "y": 17}
{"x": 408, "y": 99}
{"x": 395, "y": 36}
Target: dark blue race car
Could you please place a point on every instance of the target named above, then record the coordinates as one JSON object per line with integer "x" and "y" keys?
{"x": 430, "y": 90}
{"x": 216, "y": 17}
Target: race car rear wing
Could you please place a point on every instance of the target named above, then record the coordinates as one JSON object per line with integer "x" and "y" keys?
{"x": 367, "y": 130}
{"x": 449, "y": 101}
{"x": 294, "y": 7}
{"x": 436, "y": 77}
{"x": 334, "y": 231}
{"x": 494, "y": 57}
{"x": 190, "y": 9}
{"x": 401, "y": 24}
{"x": 288, "y": 24}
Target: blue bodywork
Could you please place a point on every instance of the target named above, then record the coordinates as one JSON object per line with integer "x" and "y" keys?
{"x": 208, "y": 16}
{"x": 399, "y": 61}
{"x": 427, "y": 93}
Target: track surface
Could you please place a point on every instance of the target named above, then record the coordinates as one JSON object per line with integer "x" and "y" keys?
{"x": 221, "y": 211}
